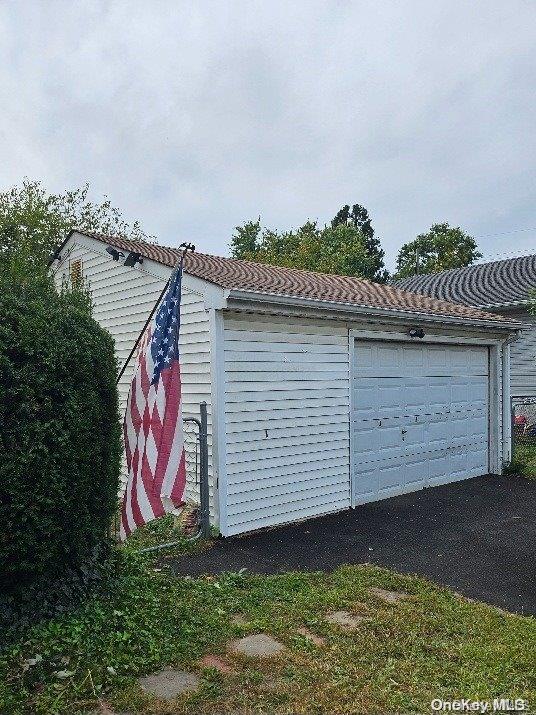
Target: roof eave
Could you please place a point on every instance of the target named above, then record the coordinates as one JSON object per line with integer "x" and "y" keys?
{"x": 509, "y": 304}
{"x": 243, "y": 296}
{"x": 60, "y": 246}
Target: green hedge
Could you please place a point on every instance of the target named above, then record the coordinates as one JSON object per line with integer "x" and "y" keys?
{"x": 60, "y": 441}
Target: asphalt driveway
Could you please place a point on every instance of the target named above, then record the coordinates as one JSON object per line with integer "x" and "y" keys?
{"x": 477, "y": 536}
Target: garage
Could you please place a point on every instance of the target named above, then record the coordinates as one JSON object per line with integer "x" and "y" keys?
{"x": 322, "y": 391}
{"x": 419, "y": 416}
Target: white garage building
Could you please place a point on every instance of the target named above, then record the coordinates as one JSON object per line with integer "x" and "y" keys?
{"x": 323, "y": 392}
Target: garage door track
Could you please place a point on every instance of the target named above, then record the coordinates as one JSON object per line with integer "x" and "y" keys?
{"x": 476, "y": 536}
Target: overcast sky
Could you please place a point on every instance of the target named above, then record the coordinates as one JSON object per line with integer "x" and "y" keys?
{"x": 195, "y": 116}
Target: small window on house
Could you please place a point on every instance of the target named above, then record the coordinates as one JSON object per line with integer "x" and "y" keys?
{"x": 75, "y": 272}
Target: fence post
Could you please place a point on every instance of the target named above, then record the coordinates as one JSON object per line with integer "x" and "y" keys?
{"x": 203, "y": 473}
{"x": 512, "y": 428}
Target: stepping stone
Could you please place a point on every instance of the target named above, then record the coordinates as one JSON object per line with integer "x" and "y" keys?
{"x": 214, "y": 661}
{"x": 345, "y": 619}
{"x": 317, "y": 640}
{"x": 388, "y": 596}
{"x": 169, "y": 683}
{"x": 257, "y": 646}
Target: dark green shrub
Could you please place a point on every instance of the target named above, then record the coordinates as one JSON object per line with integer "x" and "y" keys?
{"x": 60, "y": 441}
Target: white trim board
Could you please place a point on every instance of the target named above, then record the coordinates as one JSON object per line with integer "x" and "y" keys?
{"x": 219, "y": 452}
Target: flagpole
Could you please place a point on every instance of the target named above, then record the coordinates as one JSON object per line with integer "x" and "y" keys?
{"x": 186, "y": 247}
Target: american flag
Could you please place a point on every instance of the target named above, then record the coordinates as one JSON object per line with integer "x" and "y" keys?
{"x": 154, "y": 441}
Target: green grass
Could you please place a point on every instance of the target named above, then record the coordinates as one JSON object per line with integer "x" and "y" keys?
{"x": 524, "y": 461}
{"x": 433, "y": 644}
{"x": 168, "y": 529}
{"x": 525, "y": 455}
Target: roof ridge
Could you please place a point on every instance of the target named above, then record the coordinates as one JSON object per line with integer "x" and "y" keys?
{"x": 472, "y": 266}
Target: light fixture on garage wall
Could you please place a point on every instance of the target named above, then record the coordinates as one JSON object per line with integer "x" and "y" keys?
{"x": 416, "y": 333}
{"x": 133, "y": 258}
{"x": 114, "y": 253}
{"x": 130, "y": 261}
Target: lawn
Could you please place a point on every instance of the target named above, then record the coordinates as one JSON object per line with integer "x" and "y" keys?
{"x": 524, "y": 461}
{"x": 433, "y": 643}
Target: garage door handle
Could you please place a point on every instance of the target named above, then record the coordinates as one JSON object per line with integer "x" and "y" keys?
{"x": 404, "y": 431}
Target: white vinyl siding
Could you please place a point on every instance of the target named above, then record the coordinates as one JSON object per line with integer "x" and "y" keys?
{"x": 122, "y": 300}
{"x": 523, "y": 357}
{"x": 286, "y": 415}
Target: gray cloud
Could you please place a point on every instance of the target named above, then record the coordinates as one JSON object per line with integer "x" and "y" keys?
{"x": 194, "y": 116}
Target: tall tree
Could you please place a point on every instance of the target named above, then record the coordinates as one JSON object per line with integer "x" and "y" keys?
{"x": 346, "y": 247}
{"x": 441, "y": 248}
{"x": 339, "y": 249}
{"x": 358, "y": 217}
{"x": 341, "y": 217}
{"x": 245, "y": 240}
{"x": 33, "y": 221}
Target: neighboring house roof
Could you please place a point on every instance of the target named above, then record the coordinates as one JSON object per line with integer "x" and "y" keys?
{"x": 484, "y": 285}
{"x": 238, "y": 275}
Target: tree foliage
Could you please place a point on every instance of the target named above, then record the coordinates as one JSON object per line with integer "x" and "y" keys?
{"x": 346, "y": 247}
{"x": 358, "y": 217}
{"x": 441, "y": 248}
{"x": 33, "y": 222}
{"x": 59, "y": 438}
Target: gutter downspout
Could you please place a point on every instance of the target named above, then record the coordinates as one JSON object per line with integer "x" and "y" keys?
{"x": 506, "y": 400}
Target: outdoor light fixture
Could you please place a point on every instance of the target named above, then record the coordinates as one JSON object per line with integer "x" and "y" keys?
{"x": 133, "y": 258}
{"x": 416, "y": 333}
{"x": 114, "y": 253}
{"x": 54, "y": 256}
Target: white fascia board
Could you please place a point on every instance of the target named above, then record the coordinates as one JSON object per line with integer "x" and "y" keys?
{"x": 352, "y": 310}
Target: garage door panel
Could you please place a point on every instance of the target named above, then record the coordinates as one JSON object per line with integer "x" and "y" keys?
{"x": 365, "y": 442}
{"x": 367, "y": 487}
{"x": 375, "y": 442}
{"x": 402, "y": 360}
{"x": 391, "y": 455}
{"x": 436, "y": 429}
{"x": 415, "y": 473}
{"x": 391, "y": 478}
{"x": 419, "y": 417}
{"x": 438, "y": 466}
{"x": 374, "y": 399}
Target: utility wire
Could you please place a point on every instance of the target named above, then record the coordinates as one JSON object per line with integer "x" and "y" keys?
{"x": 507, "y": 233}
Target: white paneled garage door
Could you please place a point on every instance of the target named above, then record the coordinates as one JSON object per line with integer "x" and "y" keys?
{"x": 419, "y": 416}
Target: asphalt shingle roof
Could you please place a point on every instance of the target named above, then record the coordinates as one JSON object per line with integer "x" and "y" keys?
{"x": 480, "y": 285}
{"x": 236, "y": 274}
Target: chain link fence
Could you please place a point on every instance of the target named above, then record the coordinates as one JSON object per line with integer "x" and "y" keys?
{"x": 523, "y": 411}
